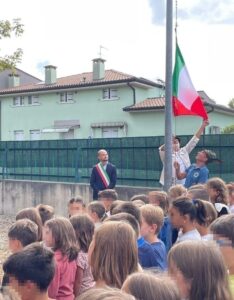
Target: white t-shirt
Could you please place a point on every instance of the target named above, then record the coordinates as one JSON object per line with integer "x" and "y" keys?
{"x": 192, "y": 235}
{"x": 207, "y": 237}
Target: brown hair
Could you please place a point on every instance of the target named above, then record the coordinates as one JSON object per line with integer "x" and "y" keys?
{"x": 32, "y": 214}
{"x": 141, "y": 197}
{"x": 120, "y": 257}
{"x": 125, "y": 217}
{"x": 206, "y": 212}
{"x": 198, "y": 193}
{"x": 153, "y": 215}
{"x": 64, "y": 237}
{"x": 202, "y": 264}
{"x": 77, "y": 199}
{"x": 139, "y": 203}
{"x": 108, "y": 193}
{"x": 105, "y": 294}
{"x": 115, "y": 204}
{"x": 162, "y": 199}
{"x": 84, "y": 229}
{"x": 98, "y": 208}
{"x": 24, "y": 231}
{"x": 46, "y": 212}
{"x": 148, "y": 286}
{"x": 219, "y": 186}
{"x": 176, "y": 191}
{"x": 129, "y": 208}
{"x": 224, "y": 226}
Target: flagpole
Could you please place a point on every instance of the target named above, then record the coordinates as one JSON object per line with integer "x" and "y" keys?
{"x": 168, "y": 98}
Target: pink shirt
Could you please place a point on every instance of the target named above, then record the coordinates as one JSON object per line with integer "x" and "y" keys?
{"x": 61, "y": 287}
{"x": 87, "y": 280}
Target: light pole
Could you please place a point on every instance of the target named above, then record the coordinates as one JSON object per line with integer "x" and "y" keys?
{"x": 168, "y": 98}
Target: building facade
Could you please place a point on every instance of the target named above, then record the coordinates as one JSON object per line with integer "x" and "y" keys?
{"x": 102, "y": 103}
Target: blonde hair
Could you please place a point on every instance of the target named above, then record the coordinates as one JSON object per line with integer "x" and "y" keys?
{"x": 115, "y": 254}
{"x": 9, "y": 294}
{"x": 148, "y": 286}
{"x": 176, "y": 191}
{"x": 153, "y": 215}
{"x": 105, "y": 294}
{"x": 220, "y": 187}
{"x": 202, "y": 264}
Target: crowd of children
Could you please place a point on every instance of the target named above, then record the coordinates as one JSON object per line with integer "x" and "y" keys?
{"x": 164, "y": 246}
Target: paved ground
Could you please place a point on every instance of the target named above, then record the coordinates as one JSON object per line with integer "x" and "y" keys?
{"x": 5, "y": 223}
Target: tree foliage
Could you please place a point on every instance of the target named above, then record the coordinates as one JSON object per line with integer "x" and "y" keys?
{"x": 231, "y": 103}
{"x": 228, "y": 129}
{"x": 7, "y": 30}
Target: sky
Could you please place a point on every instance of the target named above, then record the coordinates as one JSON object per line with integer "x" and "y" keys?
{"x": 68, "y": 34}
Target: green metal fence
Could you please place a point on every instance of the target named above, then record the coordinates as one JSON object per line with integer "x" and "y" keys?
{"x": 136, "y": 159}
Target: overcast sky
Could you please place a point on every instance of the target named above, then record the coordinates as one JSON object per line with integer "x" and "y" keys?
{"x": 68, "y": 34}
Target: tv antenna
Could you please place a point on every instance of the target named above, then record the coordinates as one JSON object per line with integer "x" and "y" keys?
{"x": 100, "y": 53}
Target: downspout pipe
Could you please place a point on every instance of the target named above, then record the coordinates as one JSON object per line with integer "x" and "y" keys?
{"x": 133, "y": 92}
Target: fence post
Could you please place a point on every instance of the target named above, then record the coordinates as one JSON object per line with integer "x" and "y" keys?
{"x": 77, "y": 177}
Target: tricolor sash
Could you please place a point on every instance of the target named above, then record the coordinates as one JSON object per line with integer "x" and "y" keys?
{"x": 103, "y": 174}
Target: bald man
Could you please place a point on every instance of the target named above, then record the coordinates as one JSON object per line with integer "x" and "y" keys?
{"x": 103, "y": 174}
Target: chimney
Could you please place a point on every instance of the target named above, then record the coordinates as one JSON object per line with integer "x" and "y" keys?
{"x": 13, "y": 80}
{"x": 50, "y": 74}
{"x": 98, "y": 68}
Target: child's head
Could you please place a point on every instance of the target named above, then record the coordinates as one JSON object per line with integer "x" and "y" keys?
{"x": 141, "y": 197}
{"x": 205, "y": 157}
{"x": 176, "y": 191}
{"x": 217, "y": 190}
{"x": 96, "y": 211}
{"x": 199, "y": 271}
{"x": 159, "y": 198}
{"x": 198, "y": 193}
{"x": 205, "y": 215}
{"x": 182, "y": 212}
{"x": 113, "y": 253}
{"x": 32, "y": 214}
{"x": 84, "y": 229}
{"x": 46, "y": 212}
{"x": 138, "y": 203}
{"x": 107, "y": 197}
{"x": 115, "y": 204}
{"x": 22, "y": 233}
{"x": 76, "y": 206}
{"x": 105, "y": 294}
{"x": 30, "y": 271}
{"x": 152, "y": 220}
{"x": 230, "y": 188}
{"x": 223, "y": 230}
{"x": 148, "y": 286}
{"x": 125, "y": 217}
{"x": 130, "y": 208}
{"x": 60, "y": 235}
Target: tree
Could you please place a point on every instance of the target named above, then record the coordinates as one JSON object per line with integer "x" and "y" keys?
{"x": 7, "y": 30}
{"x": 231, "y": 103}
{"x": 229, "y": 129}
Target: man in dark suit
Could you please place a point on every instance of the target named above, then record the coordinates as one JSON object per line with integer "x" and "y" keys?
{"x": 103, "y": 174}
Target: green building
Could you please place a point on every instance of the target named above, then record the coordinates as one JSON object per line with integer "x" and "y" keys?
{"x": 101, "y": 103}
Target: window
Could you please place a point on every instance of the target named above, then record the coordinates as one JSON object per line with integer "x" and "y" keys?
{"x": 109, "y": 94}
{"x": 18, "y": 101}
{"x": 35, "y": 134}
{"x": 109, "y": 132}
{"x": 214, "y": 130}
{"x": 18, "y": 135}
{"x": 66, "y": 97}
{"x": 33, "y": 100}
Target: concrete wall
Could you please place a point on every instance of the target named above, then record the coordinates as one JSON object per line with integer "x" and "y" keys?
{"x": 18, "y": 194}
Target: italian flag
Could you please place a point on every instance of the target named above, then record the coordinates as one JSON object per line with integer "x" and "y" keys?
{"x": 186, "y": 100}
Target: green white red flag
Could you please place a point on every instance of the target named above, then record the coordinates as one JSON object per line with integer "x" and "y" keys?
{"x": 186, "y": 100}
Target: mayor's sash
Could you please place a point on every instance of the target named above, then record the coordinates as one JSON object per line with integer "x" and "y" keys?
{"x": 103, "y": 174}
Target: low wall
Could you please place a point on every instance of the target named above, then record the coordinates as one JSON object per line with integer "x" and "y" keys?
{"x": 18, "y": 194}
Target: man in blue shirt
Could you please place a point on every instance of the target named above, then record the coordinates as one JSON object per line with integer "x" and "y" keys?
{"x": 198, "y": 172}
